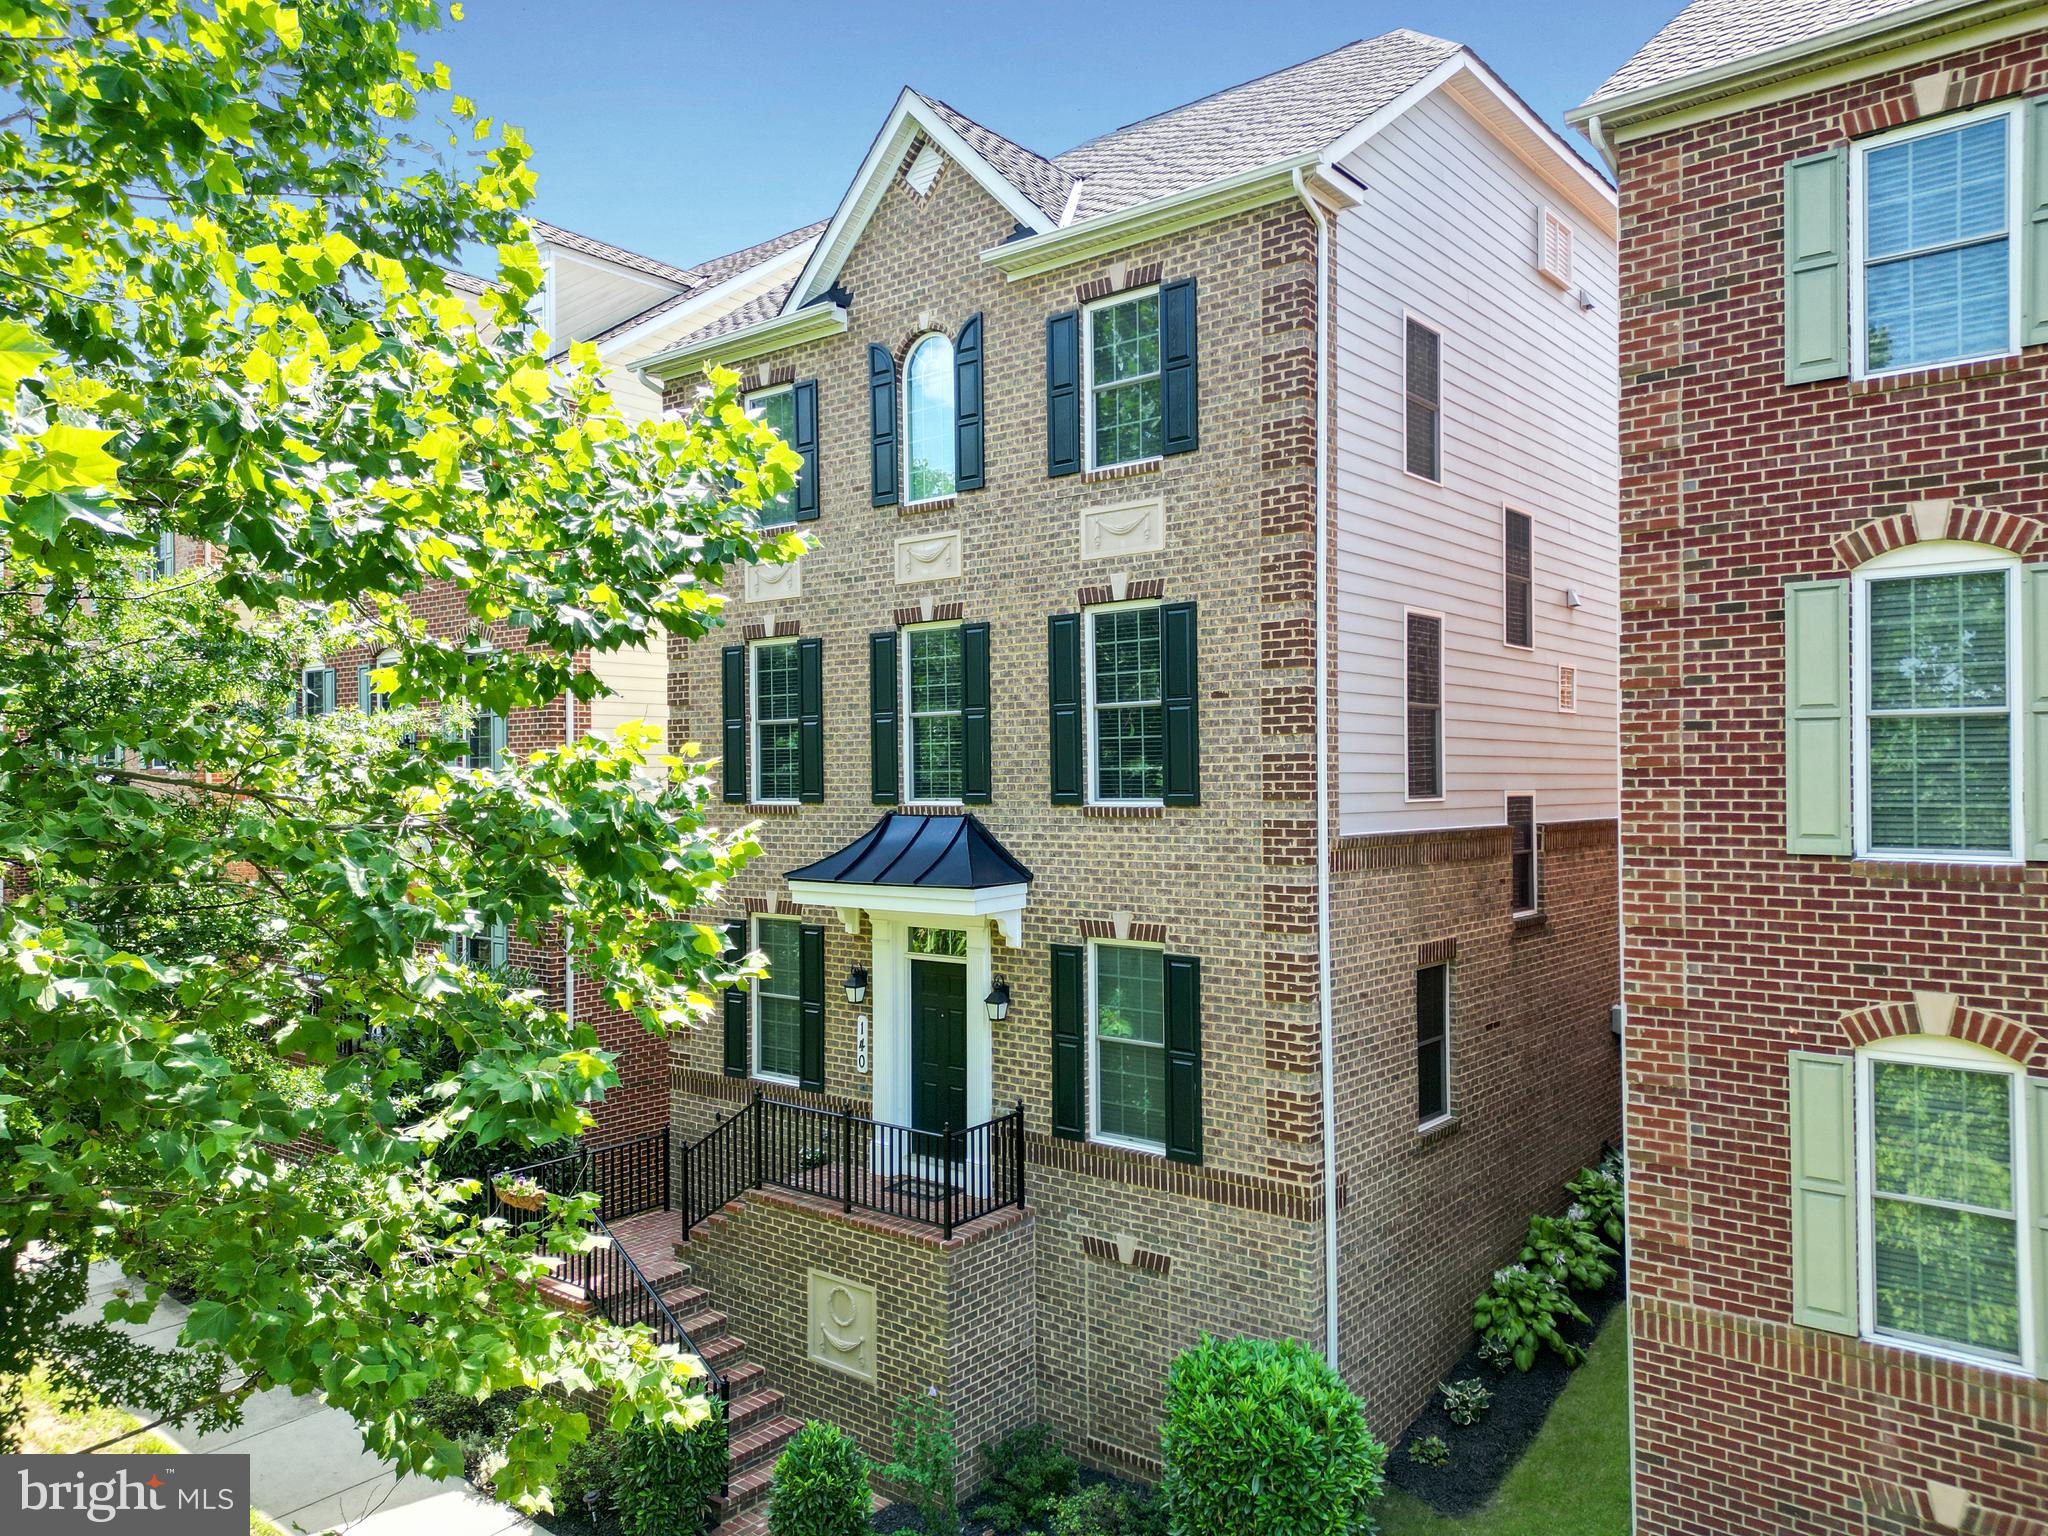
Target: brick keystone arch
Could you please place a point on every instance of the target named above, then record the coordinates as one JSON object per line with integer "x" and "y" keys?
{"x": 2008, "y": 1037}
{"x": 1963, "y": 521}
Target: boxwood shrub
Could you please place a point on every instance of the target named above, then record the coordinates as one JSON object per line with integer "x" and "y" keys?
{"x": 1264, "y": 1439}
{"x": 821, "y": 1485}
{"x": 667, "y": 1478}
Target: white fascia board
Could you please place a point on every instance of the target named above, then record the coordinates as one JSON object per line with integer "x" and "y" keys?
{"x": 872, "y": 179}
{"x": 709, "y": 298}
{"x": 1052, "y": 249}
{"x": 568, "y": 253}
{"x": 777, "y": 331}
{"x": 1002, "y": 904}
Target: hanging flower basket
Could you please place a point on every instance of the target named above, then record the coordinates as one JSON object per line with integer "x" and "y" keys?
{"x": 521, "y": 1194}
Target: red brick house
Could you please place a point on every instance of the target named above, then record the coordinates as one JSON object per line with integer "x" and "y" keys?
{"x": 1834, "y": 365}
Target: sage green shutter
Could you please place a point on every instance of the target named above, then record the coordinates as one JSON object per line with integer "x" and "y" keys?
{"x": 1818, "y": 720}
{"x": 882, "y": 426}
{"x": 363, "y": 694}
{"x": 496, "y": 736}
{"x": 736, "y": 1030}
{"x": 1817, "y": 267}
{"x": 1184, "y": 1058}
{"x": 804, "y": 439}
{"x": 811, "y": 992}
{"x": 500, "y": 949}
{"x": 1825, "y": 1292}
{"x": 734, "y": 672}
{"x": 2034, "y": 239}
{"x": 2034, "y": 737}
{"x": 1069, "y": 1043}
{"x": 810, "y": 720}
{"x": 967, "y": 433}
{"x": 978, "y": 770}
{"x": 1063, "y": 694}
{"x": 1063, "y": 393}
{"x": 1178, "y": 698}
{"x": 2037, "y": 1131}
{"x": 1179, "y": 408}
{"x": 884, "y": 724}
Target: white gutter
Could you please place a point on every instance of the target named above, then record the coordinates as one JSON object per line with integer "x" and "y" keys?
{"x": 1327, "y": 1029}
{"x": 568, "y": 933}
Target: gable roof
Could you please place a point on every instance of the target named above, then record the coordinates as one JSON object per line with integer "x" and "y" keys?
{"x": 617, "y": 255}
{"x": 1711, "y": 36}
{"x": 710, "y": 274}
{"x": 1031, "y": 174}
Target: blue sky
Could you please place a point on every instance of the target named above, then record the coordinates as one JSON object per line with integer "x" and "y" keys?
{"x": 688, "y": 130}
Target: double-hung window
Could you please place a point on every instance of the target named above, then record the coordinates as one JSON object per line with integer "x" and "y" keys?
{"x": 1425, "y": 695}
{"x": 1942, "y": 1173}
{"x": 486, "y": 745}
{"x": 1518, "y": 579}
{"x": 316, "y": 692}
{"x": 483, "y": 950}
{"x": 930, "y": 451}
{"x": 776, "y": 409}
{"x": 1423, "y": 367}
{"x": 1127, "y": 716}
{"x": 1522, "y": 854}
{"x": 935, "y": 682}
{"x": 778, "y": 1008}
{"x": 1935, "y": 688}
{"x": 1126, "y": 424}
{"x": 1432, "y": 1044}
{"x": 1127, "y": 1031}
{"x": 1934, "y": 208}
{"x": 775, "y": 673}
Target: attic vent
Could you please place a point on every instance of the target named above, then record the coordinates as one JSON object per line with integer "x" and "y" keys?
{"x": 1554, "y": 250}
{"x": 924, "y": 170}
{"x": 1568, "y": 690}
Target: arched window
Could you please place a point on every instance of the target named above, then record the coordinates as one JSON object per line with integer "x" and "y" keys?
{"x": 928, "y": 418}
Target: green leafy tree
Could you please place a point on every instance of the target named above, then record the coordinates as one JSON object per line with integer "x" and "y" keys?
{"x": 224, "y": 316}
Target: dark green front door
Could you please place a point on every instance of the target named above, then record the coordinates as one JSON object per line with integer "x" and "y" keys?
{"x": 938, "y": 1048}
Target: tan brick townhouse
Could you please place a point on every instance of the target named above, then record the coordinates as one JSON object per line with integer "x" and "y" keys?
{"x": 1109, "y": 1002}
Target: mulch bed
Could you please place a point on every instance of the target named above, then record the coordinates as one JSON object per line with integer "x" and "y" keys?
{"x": 1482, "y": 1454}
{"x": 901, "y": 1517}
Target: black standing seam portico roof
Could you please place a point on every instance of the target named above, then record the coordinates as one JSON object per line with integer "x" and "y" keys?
{"x": 954, "y": 853}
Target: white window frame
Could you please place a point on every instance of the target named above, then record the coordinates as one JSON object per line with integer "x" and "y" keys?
{"x": 756, "y": 1013}
{"x": 384, "y": 658}
{"x": 305, "y": 673}
{"x": 754, "y": 722}
{"x": 1088, "y": 313}
{"x": 1535, "y": 851}
{"x": 1938, "y": 559}
{"x": 1443, "y": 650}
{"x": 1450, "y": 1109}
{"x": 1095, "y": 1131}
{"x": 1089, "y": 712}
{"x": 903, "y": 410}
{"x": 1922, "y": 1050}
{"x": 2015, "y": 177}
{"x": 1410, "y": 316}
{"x": 910, "y": 785}
{"x": 748, "y": 402}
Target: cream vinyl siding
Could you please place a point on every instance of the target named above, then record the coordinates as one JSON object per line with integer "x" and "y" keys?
{"x": 638, "y": 678}
{"x": 591, "y": 296}
{"x": 636, "y": 401}
{"x": 1446, "y": 231}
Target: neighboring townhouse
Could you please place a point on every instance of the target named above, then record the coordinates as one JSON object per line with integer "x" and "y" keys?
{"x": 624, "y": 304}
{"x": 1173, "y": 925}
{"x": 1835, "y": 762}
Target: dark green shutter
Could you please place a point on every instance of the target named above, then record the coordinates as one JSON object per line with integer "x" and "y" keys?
{"x": 884, "y": 724}
{"x": 1178, "y": 696}
{"x": 1063, "y": 393}
{"x": 2034, "y": 253}
{"x": 978, "y": 781}
{"x": 967, "y": 436}
{"x": 1069, "y": 1043}
{"x": 1178, "y": 378}
{"x": 1184, "y": 1058}
{"x": 1817, "y": 267}
{"x": 1063, "y": 694}
{"x": 811, "y": 991}
{"x": 736, "y": 1030}
{"x": 810, "y": 720}
{"x": 882, "y": 426}
{"x": 734, "y": 666}
{"x": 804, "y": 439}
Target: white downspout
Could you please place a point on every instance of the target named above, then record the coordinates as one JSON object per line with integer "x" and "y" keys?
{"x": 568, "y": 958}
{"x": 1317, "y": 608}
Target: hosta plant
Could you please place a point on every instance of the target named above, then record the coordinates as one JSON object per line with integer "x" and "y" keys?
{"x": 1569, "y": 1248}
{"x": 1465, "y": 1402}
{"x": 1601, "y": 1194}
{"x": 1522, "y": 1310}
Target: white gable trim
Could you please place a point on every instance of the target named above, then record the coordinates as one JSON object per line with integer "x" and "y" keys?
{"x": 1483, "y": 94}
{"x": 812, "y": 323}
{"x": 907, "y": 118}
{"x": 690, "y": 313}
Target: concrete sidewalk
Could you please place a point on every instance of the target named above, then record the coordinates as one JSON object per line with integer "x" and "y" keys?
{"x": 308, "y": 1470}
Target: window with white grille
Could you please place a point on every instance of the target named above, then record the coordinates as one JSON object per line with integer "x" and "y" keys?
{"x": 1554, "y": 250}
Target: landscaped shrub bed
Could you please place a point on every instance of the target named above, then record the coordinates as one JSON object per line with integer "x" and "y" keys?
{"x": 903, "y": 1517}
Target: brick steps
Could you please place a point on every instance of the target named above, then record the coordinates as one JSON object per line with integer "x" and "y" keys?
{"x": 744, "y": 1412}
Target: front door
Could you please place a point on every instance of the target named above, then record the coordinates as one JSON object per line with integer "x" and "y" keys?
{"x": 938, "y": 1049}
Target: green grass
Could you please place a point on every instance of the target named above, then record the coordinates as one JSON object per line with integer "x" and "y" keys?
{"x": 54, "y": 1428}
{"x": 1574, "y": 1479}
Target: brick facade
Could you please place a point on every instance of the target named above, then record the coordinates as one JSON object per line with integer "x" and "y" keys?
{"x": 1735, "y": 951}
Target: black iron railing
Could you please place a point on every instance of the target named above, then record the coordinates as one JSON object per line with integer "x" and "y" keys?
{"x": 942, "y": 1179}
{"x": 629, "y": 1177}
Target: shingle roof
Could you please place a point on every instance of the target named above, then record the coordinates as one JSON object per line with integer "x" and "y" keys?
{"x": 569, "y": 240}
{"x": 712, "y": 272}
{"x": 462, "y": 282}
{"x": 1288, "y": 112}
{"x": 1710, "y": 33}
{"x": 1044, "y": 183}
